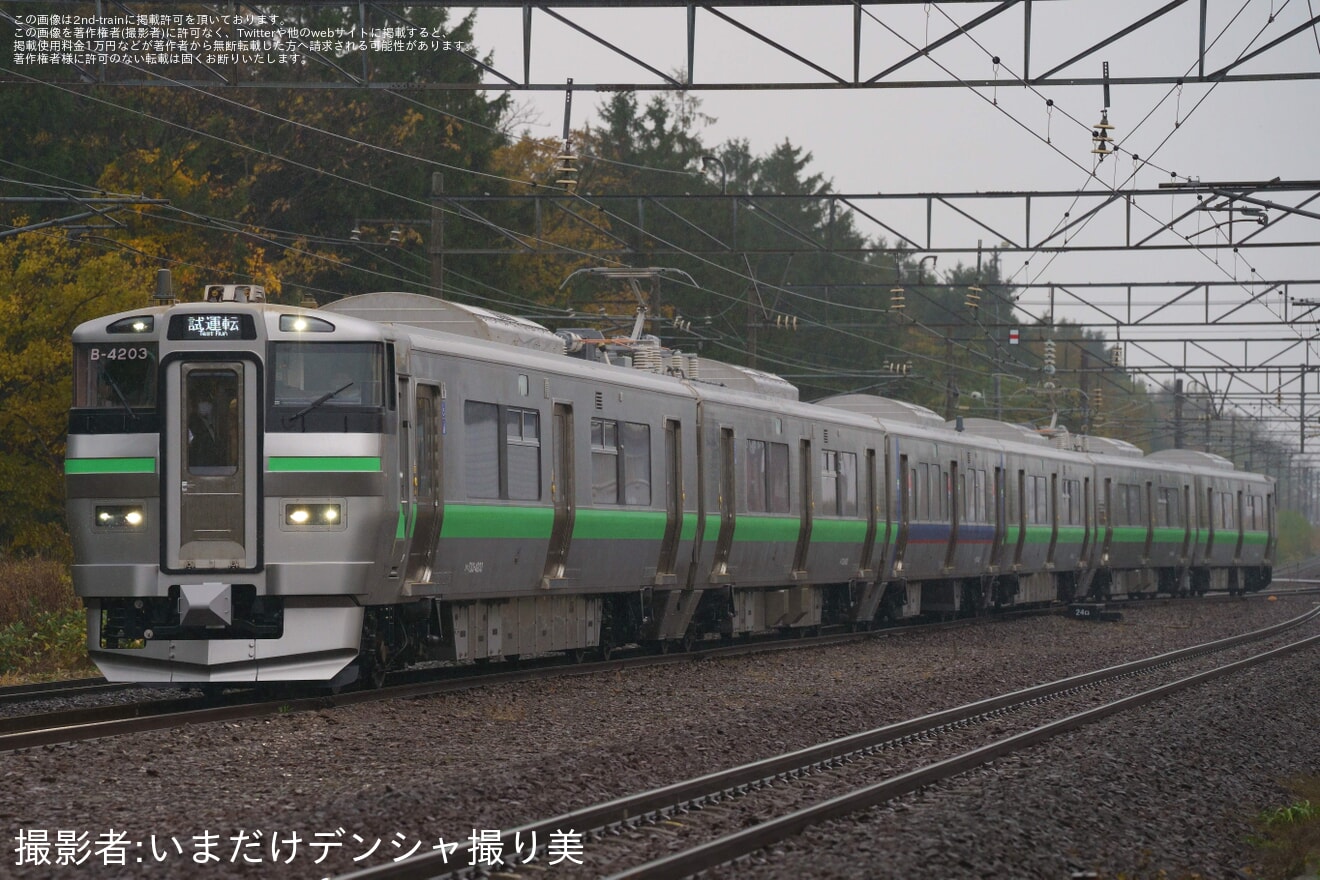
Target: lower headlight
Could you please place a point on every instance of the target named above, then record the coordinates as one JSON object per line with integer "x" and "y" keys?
{"x": 120, "y": 516}
{"x": 312, "y": 514}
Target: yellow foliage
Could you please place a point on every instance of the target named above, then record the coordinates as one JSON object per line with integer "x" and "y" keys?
{"x": 47, "y": 287}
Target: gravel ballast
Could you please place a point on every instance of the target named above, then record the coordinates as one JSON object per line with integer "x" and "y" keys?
{"x": 1169, "y": 788}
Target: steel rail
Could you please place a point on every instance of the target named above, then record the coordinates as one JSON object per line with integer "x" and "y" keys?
{"x": 26, "y": 693}
{"x": 661, "y": 801}
{"x": 749, "y": 840}
{"x": 72, "y": 725}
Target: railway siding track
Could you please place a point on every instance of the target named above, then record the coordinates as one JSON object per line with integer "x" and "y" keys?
{"x": 650, "y": 825}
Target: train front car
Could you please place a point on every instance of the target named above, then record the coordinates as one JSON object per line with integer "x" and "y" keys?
{"x": 225, "y": 477}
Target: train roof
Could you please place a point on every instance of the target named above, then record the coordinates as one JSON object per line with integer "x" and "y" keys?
{"x": 1107, "y": 446}
{"x": 431, "y": 315}
{"x": 884, "y": 408}
{"x": 426, "y": 313}
{"x": 1194, "y": 457}
{"x": 1000, "y": 430}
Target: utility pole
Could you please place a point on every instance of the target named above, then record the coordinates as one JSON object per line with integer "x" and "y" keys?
{"x": 1177, "y": 413}
{"x": 950, "y": 395}
{"x": 437, "y": 243}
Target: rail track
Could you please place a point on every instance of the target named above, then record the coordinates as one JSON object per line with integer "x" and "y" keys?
{"x": 698, "y": 824}
{"x": 158, "y": 712}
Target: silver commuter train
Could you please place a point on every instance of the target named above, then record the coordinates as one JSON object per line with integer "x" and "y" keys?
{"x": 263, "y": 493}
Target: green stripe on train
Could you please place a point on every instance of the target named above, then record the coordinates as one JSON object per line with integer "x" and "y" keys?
{"x": 838, "y": 531}
{"x": 765, "y": 529}
{"x": 589, "y": 524}
{"x": 323, "y": 463}
{"x": 1035, "y": 534}
{"x": 595, "y": 524}
{"x": 110, "y": 466}
{"x": 689, "y": 532}
{"x": 494, "y": 521}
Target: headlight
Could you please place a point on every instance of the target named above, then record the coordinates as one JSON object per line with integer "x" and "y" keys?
{"x": 120, "y": 516}
{"x": 312, "y": 514}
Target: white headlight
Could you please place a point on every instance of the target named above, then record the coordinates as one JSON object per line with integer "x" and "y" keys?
{"x": 119, "y": 516}
{"x": 313, "y": 515}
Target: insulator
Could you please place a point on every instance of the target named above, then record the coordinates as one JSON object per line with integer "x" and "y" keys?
{"x": 897, "y": 301}
{"x": 973, "y": 298}
{"x": 1049, "y": 352}
{"x": 1116, "y": 356}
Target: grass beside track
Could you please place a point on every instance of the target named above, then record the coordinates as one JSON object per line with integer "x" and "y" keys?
{"x": 1287, "y": 838}
{"x": 43, "y": 630}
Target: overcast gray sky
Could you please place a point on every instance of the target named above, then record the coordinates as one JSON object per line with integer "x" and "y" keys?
{"x": 963, "y": 139}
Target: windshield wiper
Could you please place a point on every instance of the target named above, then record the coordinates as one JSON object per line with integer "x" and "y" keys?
{"x": 289, "y": 420}
{"x": 119, "y": 392}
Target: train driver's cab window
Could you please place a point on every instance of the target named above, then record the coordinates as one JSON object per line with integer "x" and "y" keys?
{"x": 315, "y": 384}
{"x": 114, "y": 376}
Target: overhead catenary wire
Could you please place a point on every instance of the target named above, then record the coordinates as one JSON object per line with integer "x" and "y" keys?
{"x": 788, "y": 292}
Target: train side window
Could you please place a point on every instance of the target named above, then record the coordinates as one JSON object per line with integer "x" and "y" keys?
{"x": 1072, "y": 494}
{"x": 1041, "y": 488}
{"x": 481, "y": 465}
{"x": 847, "y": 484}
{"x": 941, "y": 490}
{"x": 604, "y": 461}
{"x": 620, "y": 462}
{"x": 923, "y": 491}
{"x": 755, "y": 474}
{"x": 522, "y": 437}
{"x": 636, "y": 463}
{"x": 829, "y": 482}
{"x": 838, "y": 483}
{"x": 982, "y": 509}
{"x": 503, "y": 455}
{"x": 777, "y": 478}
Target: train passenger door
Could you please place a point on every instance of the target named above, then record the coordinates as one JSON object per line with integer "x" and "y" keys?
{"x": 1239, "y": 527}
{"x": 952, "y": 489}
{"x": 868, "y": 543}
{"x": 1106, "y": 520}
{"x": 673, "y": 501}
{"x": 1000, "y": 514}
{"x": 1186, "y": 515}
{"x": 562, "y": 491}
{"x": 1150, "y": 521}
{"x": 1021, "y": 517}
{"x": 1053, "y": 519}
{"x": 426, "y": 482}
{"x": 724, "y": 543}
{"x": 905, "y": 481}
{"x": 1088, "y": 526}
{"x": 807, "y": 481}
{"x": 211, "y": 466}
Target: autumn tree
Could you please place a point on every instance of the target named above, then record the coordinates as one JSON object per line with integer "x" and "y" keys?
{"x": 47, "y": 287}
